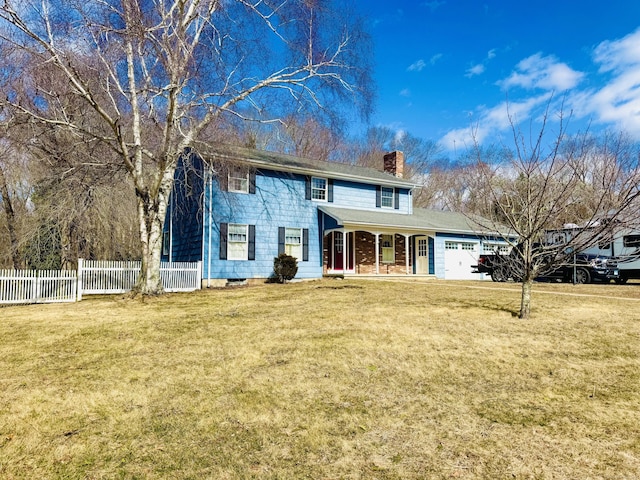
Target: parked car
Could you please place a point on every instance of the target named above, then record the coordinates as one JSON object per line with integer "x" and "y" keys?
{"x": 586, "y": 268}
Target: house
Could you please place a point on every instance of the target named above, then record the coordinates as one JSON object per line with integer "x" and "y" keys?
{"x": 235, "y": 209}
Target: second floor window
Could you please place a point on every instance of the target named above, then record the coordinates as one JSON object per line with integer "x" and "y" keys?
{"x": 387, "y": 197}
{"x": 319, "y": 189}
{"x": 238, "y": 180}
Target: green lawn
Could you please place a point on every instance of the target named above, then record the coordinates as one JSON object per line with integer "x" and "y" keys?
{"x": 325, "y": 380}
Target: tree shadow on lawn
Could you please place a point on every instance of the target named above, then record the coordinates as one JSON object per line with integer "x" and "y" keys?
{"x": 488, "y": 305}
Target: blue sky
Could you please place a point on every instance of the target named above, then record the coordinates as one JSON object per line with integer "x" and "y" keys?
{"x": 445, "y": 66}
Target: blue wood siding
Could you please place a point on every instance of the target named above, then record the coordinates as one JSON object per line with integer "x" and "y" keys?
{"x": 184, "y": 215}
{"x": 279, "y": 201}
{"x": 432, "y": 260}
{"x": 362, "y": 196}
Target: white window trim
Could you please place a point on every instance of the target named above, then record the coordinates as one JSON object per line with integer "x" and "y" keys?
{"x": 244, "y": 179}
{"x": 289, "y": 246}
{"x": 245, "y": 244}
{"x": 382, "y": 197}
{"x": 325, "y": 190}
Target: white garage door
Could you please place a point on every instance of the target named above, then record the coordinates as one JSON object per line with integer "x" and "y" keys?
{"x": 458, "y": 259}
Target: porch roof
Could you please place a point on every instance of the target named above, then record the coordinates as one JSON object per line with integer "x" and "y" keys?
{"x": 422, "y": 220}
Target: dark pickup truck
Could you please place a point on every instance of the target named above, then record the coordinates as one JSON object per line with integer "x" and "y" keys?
{"x": 586, "y": 269}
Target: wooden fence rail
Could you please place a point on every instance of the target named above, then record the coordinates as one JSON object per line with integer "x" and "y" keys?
{"x": 92, "y": 277}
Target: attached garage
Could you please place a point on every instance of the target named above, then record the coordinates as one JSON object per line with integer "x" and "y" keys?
{"x": 459, "y": 256}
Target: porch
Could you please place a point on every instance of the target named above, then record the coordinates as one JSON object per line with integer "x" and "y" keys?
{"x": 377, "y": 252}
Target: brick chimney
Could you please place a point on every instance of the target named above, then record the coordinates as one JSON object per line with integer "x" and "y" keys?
{"x": 394, "y": 163}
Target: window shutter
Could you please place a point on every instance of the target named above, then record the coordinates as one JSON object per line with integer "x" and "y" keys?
{"x": 378, "y": 196}
{"x": 330, "y": 190}
{"x": 305, "y": 244}
{"x": 307, "y": 188}
{"x": 252, "y": 181}
{"x": 396, "y": 199}
{"x": 224, "y": 229}
{"x": 223, "y": 179}
{"x": 280, "y": 240}
{"x": 252, "y": 242}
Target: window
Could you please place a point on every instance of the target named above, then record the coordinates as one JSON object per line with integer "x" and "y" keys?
{"x": 165, "y": 243}
{"x": 632, "y": 241}
{"x": 319, "y": 189}
{"x": 422, "y": 247}
{"x": 388, "y": 253}
{"x": 237, "y": 242}
{"x": 468, "y": 246}
{"x": 338, "y": 243}
{"x": 238, "y": 180}
{"x": 293, "y": 242}
{"x": 237, "y": 246}
{"x": 499, "y": 248}
{"x": 386, "y": 197}
{"x": 450, "y": 245}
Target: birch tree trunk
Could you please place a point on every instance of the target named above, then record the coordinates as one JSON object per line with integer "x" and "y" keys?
{"x": 151, "y": 214}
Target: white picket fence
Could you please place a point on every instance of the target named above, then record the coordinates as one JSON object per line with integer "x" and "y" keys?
{"x": 104, "y": 277}
{"x": 92, "y": 277}
{"x": 38, "y": 286}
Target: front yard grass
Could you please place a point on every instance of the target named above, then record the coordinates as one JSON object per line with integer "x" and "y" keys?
{"x": 325, "y": 380}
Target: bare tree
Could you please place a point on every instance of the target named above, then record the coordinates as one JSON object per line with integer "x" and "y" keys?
{"x": 157, "y": 74}
{"x": 580, "y": 180}
{"x": 7, "y": 200}
{"x": 309, "y": 138}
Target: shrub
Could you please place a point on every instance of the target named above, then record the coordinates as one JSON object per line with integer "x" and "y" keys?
{"x": 285, "y": 267}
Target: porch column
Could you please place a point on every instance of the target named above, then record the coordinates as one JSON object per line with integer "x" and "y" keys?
{"x": 406, "y": 251}
{"x": 377, "y": 253}
{"x": 344, "y": 252}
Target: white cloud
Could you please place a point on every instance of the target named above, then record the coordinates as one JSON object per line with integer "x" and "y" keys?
{"x": 475, "y": 70}
{"x": 617, "y": 55}
{"x": 617, "y": 102}
{"x": 434, "y": 5}
{"x": 435, "y": 58}
{"x": 399, "y": 135}
{"x": 417, "y": 66}
{"x": 547, "y": 73}
{"x": 463, "y": 138}
{"x": 490, "y": 122}
{"x": 405, "y": 92}
{"x": 539, "y": 81}
{"x": 491, "y": 54}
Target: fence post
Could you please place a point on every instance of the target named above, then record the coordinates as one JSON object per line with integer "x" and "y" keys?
{"x": 79, "y": 280}
{"x": 199, "y": 274}
{"x": 38, "y": 287}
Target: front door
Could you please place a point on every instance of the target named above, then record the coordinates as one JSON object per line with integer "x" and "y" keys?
{"x": 422, "y": 255}
{"x": 342, "y": 250}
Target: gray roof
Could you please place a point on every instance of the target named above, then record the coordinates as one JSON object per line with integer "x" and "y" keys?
{"x": 289, "y": 163}
{"x": 422, "y": 220}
